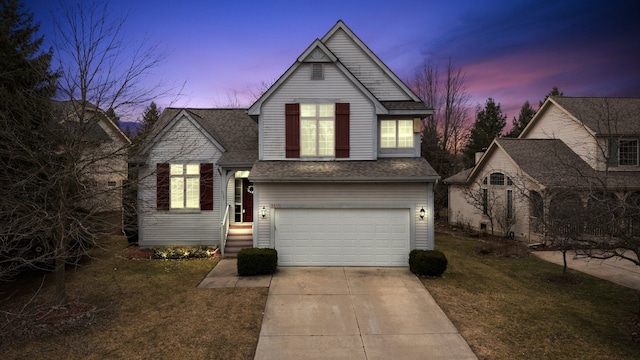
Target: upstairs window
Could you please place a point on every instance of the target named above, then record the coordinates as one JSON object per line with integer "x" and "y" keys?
{"x": 628, "y": 152}
{"x": 185, "y": 186}
{"x": 496, "y": 179}
{"x": 396, "y": 134}
{"x": 317, "y": 130}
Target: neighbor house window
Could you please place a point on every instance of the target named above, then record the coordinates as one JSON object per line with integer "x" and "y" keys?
{"x": 499, "y": 192}
{"x": 628, "y": 152}
{"x": 509, "y": 204}
{"x": 185, "y": 186}
{"x": 396, "y": 134}
{"x": 485, "y": 201}
{"x": 317, "y": 133}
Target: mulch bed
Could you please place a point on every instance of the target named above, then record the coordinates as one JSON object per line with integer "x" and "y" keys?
{"x": 135, "y": 253}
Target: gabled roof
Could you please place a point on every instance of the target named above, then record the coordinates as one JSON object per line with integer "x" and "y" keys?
{"x": 340, "y": 25}
{"x": 387, "y": 170}
{"x": 319, "y": 52}
{"x": 549, "y": 162}
{"x": 69, "y": 109}
{"x": 602, "y": 116}
{"x": 231, "y": 129}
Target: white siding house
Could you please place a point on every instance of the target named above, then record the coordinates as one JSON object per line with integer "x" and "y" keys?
{"x": 324, "y": 167}
{"x": 358, "y": 201}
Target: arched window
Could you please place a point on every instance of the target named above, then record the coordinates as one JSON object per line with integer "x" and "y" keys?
{"x": 494, "y": 181}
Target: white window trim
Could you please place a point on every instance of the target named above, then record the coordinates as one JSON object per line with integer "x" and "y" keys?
{"x": 317, "y": 119}
{"x": 186, "y": 197}
{"x": 396, "y": 137}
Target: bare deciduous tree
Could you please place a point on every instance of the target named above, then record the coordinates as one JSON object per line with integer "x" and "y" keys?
{"x": 493, "y": 195}
{"x": 67, "y": 173}
{"x": 599, "y": 215}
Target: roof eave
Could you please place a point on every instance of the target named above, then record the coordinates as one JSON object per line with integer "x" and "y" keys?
{"x": 413, "y": 179}
{"x": 422, "y": 113}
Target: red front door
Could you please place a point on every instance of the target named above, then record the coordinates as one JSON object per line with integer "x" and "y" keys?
{"x": 247, "y": 194}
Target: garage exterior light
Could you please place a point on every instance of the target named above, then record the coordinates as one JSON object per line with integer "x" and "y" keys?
{"x": 423, "y": 213}
{"x": 263, "y": 212}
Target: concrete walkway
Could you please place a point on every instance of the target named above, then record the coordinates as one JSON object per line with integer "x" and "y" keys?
{"x": 618, "y": 271}
{"x": 355, "y": 313}
{"x": 225, "y": 274}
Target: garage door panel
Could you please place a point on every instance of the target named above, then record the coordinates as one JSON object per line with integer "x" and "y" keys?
{"x": 349, "y": 237}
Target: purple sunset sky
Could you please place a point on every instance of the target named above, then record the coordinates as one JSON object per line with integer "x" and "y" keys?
{"x": 512, "y": 51}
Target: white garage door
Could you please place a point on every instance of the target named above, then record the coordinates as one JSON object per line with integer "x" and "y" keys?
{"x": 342, "y": 237}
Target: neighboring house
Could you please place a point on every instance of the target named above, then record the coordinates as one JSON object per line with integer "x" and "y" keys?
{"x": 104, "y": 149}
{"x": 572, "y": 145}
{"x": 325, "y": 166}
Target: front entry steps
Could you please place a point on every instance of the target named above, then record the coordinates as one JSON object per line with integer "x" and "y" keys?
{"x": 240, "y": 236}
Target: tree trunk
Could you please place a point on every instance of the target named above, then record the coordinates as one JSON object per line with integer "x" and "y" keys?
{"x": 61, "y": 290}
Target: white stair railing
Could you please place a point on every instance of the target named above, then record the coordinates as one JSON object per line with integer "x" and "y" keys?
{"x": 224, "y": 230}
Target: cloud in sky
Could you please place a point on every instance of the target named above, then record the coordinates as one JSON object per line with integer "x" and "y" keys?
{"x": 511, "y": 51}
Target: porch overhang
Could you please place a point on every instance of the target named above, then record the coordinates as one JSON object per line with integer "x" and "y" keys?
{"x": 416, "y": 170}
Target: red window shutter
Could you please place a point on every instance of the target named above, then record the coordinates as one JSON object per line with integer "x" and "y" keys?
{"x": 162, "y": 186}
{"x": 206, "y": 186}
{"x": 342, "y": 130}
{"x": 292, "y": 130}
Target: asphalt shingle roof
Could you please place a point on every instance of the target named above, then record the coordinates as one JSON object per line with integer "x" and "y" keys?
{"x": 391, "y": 169}
{"x": 405, "y": 105}
{"x": 236, "y": 131}
{"x": 550, "y": 161}
{"x": 605, "y": 115}
{"x": 554, "y": 165}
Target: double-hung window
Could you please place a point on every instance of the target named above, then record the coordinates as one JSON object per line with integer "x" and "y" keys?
{"x": 317, "y": 130}
{"x": 185, "y": 186}
{"x": 396, "y": 134}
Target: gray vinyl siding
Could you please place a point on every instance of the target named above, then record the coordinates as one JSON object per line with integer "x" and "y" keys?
{"x": 362, "y": 67}
{"x": 184, "y": 143}
{"x": 334, "y": 88}
{"x": 411, "y": 196}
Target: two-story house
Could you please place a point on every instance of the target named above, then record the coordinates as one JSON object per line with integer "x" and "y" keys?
{"x": 325, "y": 166}
{"x": 104, "y": 153}
{"x": 574, "y": 150}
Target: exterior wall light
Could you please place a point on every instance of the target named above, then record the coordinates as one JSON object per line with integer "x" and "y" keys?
{"x": 423, "y": 212}
{"x": 263, "y": 212}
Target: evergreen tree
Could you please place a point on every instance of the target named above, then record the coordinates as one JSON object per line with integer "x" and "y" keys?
{"x": 150, "y": 116}
{"x": 523, "y": 119}
{"x": 488, "y": 125}
{"x": 26, "y": 83}
{"x": 26, "y": 149}
{"x": 553, "y": 92}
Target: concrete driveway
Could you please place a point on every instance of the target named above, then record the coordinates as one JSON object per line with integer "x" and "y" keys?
{"x": 355, "y": 313}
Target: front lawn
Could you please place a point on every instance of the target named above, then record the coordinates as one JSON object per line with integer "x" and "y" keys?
{"x": 144, "y": 309}
{"x": 506, "y": 308}
{"x": 516, "y": 308}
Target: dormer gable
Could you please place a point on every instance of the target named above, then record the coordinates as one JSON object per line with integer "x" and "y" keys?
{"x": 317, "y": 52}
{"x": 365, "y": 65}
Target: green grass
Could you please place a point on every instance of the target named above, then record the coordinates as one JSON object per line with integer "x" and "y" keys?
{"x": 507, "y": 308}
{"x": 146, "y": 309}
